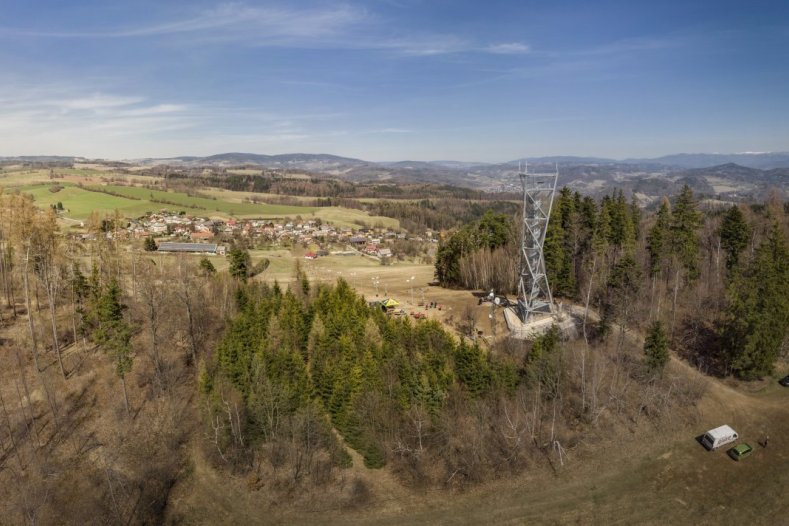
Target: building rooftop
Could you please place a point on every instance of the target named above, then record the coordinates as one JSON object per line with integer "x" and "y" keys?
{"x": 167, "y": 246}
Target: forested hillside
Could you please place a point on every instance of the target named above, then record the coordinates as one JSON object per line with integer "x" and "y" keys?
{"x": 723, "y": 269}
{"x": 122, "y": 369}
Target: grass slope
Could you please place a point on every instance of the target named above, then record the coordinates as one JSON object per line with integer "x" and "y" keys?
{"x": 209, "y": 206}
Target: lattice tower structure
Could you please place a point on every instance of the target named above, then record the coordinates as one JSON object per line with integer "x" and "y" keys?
{"x": 534, "y": 292}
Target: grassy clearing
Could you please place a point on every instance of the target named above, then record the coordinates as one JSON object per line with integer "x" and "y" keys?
{"x": 80, "y": 203}
{"x": 336, "y": 215}
{"x": 19, "y": 177}
{"x": 234, "y": 196}
{"x": 350, "y": 217}
{"x": 209, "y": 206}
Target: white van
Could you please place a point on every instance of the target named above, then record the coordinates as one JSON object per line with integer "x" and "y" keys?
{"x": 720, "y": 436}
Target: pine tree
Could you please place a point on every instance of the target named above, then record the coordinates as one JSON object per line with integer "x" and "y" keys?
{"x": 569, "y": 218}
{"x": 635, "y": 218}
{"x": 685, "y": 224}
{"x": 622, "y": 289}
{"x": 206, "y": 267}
{"x": 113, "y": 334}
{"x": 554, "y": 254}
{"x": 658, "y": 238}
{"x": 735, "y": 233}
{"x": 656, "y": 347}
{"x": 543, "y": 364}
{"x": 472, "y": 369}
{"x": 240, "y": 263}
{"x": 150, "y": 245}
{"x": 622, "y": 234}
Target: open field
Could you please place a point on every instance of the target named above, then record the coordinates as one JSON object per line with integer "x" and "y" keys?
{"x": 235, "y": 196}
{"x": 208, "y": 206}
{"x": 134, "y": 201}
{"x": 80, "y": 203}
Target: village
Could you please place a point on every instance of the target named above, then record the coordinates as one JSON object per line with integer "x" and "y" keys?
{"x": 180, "y": 232}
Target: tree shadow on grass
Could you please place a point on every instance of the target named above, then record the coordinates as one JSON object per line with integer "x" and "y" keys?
{"x": 698, "y": 342}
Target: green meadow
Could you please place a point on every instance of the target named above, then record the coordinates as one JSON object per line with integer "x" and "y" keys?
{"x": 208, "y": 206}
{"x": 135, "y": 201}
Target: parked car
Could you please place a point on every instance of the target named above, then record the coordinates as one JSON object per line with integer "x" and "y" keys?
{"x": 740, "y": 451}
{"x": 784, "y": 381}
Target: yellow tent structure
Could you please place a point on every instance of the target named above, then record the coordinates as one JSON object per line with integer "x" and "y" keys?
{"x": 389, "y": 303}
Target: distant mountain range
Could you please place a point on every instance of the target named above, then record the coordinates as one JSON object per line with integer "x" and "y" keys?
{"x": 760, "y": 160}
{"x": 734, "y": 176}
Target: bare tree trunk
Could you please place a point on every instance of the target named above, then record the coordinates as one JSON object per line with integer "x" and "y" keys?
{"x": 134, "y": 275}
{"x": 50, "y": 400}
{"x": 588, "y": 297}
{"x": 674, "y": 304}
{"x": 652, "y": 295}
{"x": 125, "y": 395}
{"x": 74, "y": 317}
{"x": 583, "y": 377}
{"x": 4, "y": 273}
{"x": 33, "y": 340}
{"x": 29, "y": 417}
{"x": 11, "y": 432}
{"x": 185, "y": 296}
{"x": 55, "y": 343}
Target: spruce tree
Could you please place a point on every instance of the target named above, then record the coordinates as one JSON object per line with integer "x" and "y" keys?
{"x": 240, "y": 263}
{"x": 622, "y": 234}
{"x": 656, "y": 347}
{"x": 658, "y": 238}
{"x": 543, "y": 364}
{"x": 150, "y": 244}
{"x": 735, "y": 233}
{"x": 113, "y": 334}
{"x": 554, "y": 253}
{"x": 206, "y": 267}
{"x": 685, "y": 224}
{"x": 757, "y": 317}
{"x": 635, "y": 218}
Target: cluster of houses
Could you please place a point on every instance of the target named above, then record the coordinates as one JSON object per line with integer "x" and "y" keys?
{"x": 176, "y": 227}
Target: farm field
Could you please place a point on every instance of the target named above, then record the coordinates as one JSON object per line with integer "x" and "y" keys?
{"x": 134, "y": 201}
{"x": 208, "y": 206}
{"x": 80, "y": 203}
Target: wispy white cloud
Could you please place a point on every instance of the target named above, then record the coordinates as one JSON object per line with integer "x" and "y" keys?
{"x": 392, "y": 130}
{"x": 333, "y": 26}
{"x": 509, "y": 48}
{"x": 63, "y": 120}
{"x": 425, "y": 45}
{"x": 633, "y": 45}
{"x": 230, "y": 21}
{"x": 93, "y": 102}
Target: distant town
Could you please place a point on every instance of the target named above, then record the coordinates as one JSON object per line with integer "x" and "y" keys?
{"x": 180, "y": 232}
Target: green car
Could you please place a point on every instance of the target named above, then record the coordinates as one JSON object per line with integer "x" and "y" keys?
{"x": 740, "y": 451}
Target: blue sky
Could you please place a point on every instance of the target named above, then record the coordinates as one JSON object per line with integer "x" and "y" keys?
{"x": 393, "y": 79}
